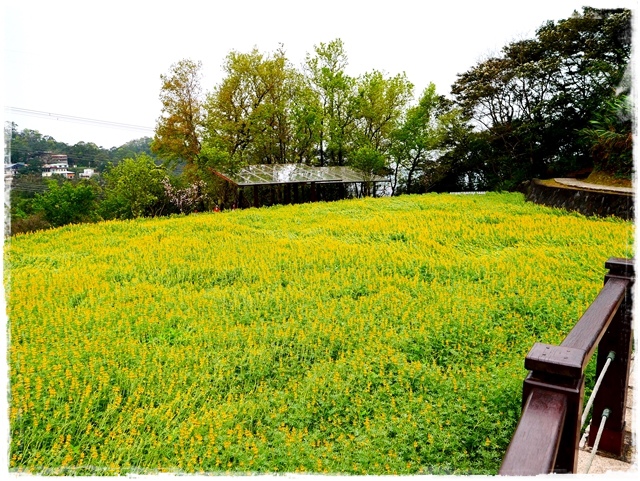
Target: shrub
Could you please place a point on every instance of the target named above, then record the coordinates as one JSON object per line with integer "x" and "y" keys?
{"x": 134, "y": 189}
{"x": 31, "y": 223}
{"x": 67, "y": 203}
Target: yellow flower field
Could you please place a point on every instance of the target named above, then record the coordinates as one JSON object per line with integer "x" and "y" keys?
{"x": 365, "y": 336}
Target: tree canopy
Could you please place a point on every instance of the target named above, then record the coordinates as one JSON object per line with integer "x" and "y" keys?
{"x": 530, "y": 104}
{"x": 177, "y": 136}
{"x": 540, "y": 108}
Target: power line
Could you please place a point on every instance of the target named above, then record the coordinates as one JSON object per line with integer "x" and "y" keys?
{"x": 98, "y": 156}
{"x": 80, "y": 120}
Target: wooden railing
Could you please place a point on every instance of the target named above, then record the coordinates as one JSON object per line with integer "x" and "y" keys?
{"x": 547, "y": 437}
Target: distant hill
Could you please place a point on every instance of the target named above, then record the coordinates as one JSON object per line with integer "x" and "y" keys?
{"x": 27, "y": 146}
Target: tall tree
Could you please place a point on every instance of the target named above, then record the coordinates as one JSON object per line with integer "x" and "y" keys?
{"x": 131, "y": 149}
{"x": 380, "y": 104}
{"x": 28, "y": 144}
{"x": 67, "y": 203}
{"x": 306, "y": 118}
{"x": 417, "y": 142}
{"x": 178, "y": 129}
{"x": 249, "y": 114}
{"x": 534, "y": 99}
{"x": 336, "y": 92}
{"x": 610, "y": 136}
{"x": 134, "y": 188}
{"x": 88, "y": 154}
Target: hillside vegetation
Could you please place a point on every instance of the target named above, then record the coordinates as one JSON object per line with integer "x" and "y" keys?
{"x": 364, "y": 336}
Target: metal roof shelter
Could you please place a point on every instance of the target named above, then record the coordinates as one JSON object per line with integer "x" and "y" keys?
{"x": 277, "y": 174}
{"x": 272, "y": 174}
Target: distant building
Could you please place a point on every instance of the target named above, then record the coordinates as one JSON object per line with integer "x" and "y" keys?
{"x": 87, "y": 173}
{"x": 56, "y": 164}
{"x": 11, "y": 169}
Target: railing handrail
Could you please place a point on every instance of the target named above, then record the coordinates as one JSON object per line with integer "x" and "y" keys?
{"x": 586, "y": 334}
{"x": 547, "y": 435}
{"x": 540, "y": 429}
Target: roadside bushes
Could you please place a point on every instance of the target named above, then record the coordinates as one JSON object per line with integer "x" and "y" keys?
{"x": 135, "y": 187}
{"x": 67, "y": 203}
{"x": 61, "y": 203}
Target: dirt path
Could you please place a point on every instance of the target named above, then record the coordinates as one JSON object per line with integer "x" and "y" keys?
{"x": 588, "y": 186}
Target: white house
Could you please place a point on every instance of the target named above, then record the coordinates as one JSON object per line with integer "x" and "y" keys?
{"x": 57, "y": 164}
{"x": 87, "y": 173}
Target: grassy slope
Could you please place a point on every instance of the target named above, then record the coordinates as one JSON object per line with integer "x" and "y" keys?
{"x": 365, "y": 336}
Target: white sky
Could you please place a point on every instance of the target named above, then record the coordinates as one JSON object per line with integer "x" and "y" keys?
{"x": 103, "y": 60}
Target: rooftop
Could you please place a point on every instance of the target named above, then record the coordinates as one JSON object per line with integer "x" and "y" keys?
{"x": 272, "y": 174}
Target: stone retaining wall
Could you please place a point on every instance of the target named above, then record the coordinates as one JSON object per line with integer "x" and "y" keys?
{"x": 587, "y": 202}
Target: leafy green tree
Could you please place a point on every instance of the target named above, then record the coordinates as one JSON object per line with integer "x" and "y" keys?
{"x": 533, "y": 100}
{"x": 416, "y": 143}
{"x": 610, "y": 136}
{"x": 27, "y": 145}
{"x": 130, "y": 149}
{"x": 306, "y": 119}
{"x": 380, "y": 104}
{"x": 249, "y": 113}
{"x": 337, "y": 93}
{"x": 24, "y": 188}
{"x": 87, "y": 154}
{"x": 33, "y": 167}
{"x": 370, "y": 162}
{"x": 67, "y": 203}
{"x": 468, "y": 162}
{"x": 178, "y": 129}
{"x": 134, "y": 188}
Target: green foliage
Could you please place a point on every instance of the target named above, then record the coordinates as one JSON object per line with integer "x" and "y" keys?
{"x": 610, "y": 136}
{"x": 67, "y": 203}
{"x": 24, "y": 187}
{"x": 532, "y": 101}
{"x": 336, "y": 93}
{"x": 131, "y": 149}
{"x": 28, "y": 146}
{"x": 418, "y": 140}
{"x": 249, "y": 113}
{"x": 265, "y": 111}
{"x": 134, "y": 188}
{"x": 307, "y": 121}
{"x": 88, "y": 154}
{"x": 177, "y": 136}
{"x": 380, "y": 103}
{"x": 370, "y": 162}
{"x": 540, "y": 108}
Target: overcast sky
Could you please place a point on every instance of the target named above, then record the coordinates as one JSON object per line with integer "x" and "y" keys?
{"x": 65, "y": 61}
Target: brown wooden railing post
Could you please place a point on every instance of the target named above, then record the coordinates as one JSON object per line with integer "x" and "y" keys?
{"x": 613, "y": 390}
{"x": 548, "y": 433}
{"x": 559, "y": 369}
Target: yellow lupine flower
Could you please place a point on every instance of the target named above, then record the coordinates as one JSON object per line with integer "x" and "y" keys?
{"x": 177, "y": 336}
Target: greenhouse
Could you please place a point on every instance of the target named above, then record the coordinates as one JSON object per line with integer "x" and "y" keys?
{"x": 298, "y": 182}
